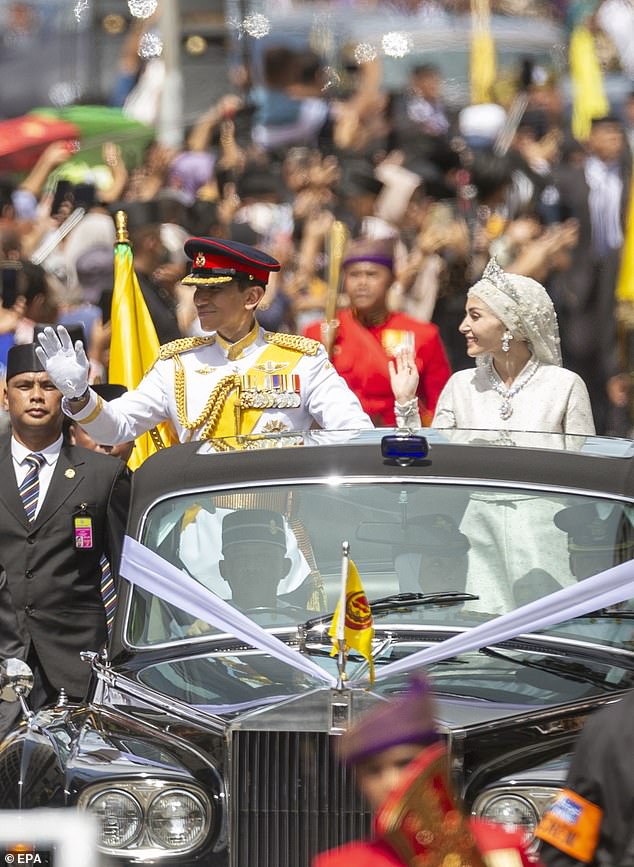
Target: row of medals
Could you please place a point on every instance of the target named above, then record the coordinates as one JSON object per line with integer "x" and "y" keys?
{"x": 279, "y": 390}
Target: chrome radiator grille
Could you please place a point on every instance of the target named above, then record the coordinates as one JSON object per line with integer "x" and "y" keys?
{"x": 289, "y": 799}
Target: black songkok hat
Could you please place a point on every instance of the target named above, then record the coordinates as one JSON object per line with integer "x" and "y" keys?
{"x": 221, "y": 261}
{"x": 22, "y": 359}
{"x": 253, "y": 525}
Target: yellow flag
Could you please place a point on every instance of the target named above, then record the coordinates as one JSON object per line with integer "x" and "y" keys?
{"x": 134, "y": 346}
{"x": 358, "y": 628}
{"x": 588, "y": 95}
{"x": 482, "y": 58}
{"x": 625, "y": 284}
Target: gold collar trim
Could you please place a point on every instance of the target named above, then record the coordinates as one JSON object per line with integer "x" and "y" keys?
{"x": 235, "y": 350}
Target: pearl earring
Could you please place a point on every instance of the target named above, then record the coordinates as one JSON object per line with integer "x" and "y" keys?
{"x": 506, "y": 338}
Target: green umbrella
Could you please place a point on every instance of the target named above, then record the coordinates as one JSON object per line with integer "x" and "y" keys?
{"x": 99, "y": 124}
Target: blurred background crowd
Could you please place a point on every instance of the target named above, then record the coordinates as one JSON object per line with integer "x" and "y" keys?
{"x": 456, "y": 131}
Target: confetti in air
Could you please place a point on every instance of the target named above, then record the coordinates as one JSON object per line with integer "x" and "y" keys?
{"x": 396, "y": 44}
{"x": 150, "y": 45}
{"x": 142, "y": 8}
{"x": 64, "y": 92}
{"x": 364, "y": 53}
{"x": 331, "y": 78}
{"x": 80, "y": 7}
{"x": 256, "y": 25}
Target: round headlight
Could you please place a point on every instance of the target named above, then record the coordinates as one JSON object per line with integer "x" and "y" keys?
{"x": 120, "y": 818}
{"x": 513, "y": 812}
{"x": 176, "y": 819}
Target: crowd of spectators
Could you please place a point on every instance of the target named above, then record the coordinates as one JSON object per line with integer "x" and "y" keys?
{"x": 275, "y": 165}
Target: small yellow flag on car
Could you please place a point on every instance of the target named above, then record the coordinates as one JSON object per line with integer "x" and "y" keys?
{"x": 358, "y": 629}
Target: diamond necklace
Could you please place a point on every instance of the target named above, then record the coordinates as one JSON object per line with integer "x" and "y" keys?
{"x": 506, "y": 410}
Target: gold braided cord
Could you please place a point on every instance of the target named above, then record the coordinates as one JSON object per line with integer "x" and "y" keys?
{"x": 223, "y": 390}
{"x": 305, "y": 345}
{"x": 190, "y": 280}
{"x": 213, "y": 407}
{"x": 183, "y": 344}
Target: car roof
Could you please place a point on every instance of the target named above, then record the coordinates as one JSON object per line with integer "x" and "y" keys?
{"x": 593, "y": 464}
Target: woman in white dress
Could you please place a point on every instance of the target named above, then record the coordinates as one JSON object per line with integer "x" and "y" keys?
{"x": 518, "y": 384}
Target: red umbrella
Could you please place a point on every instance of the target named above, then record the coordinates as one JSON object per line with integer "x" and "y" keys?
{"x": 23, "y": 139}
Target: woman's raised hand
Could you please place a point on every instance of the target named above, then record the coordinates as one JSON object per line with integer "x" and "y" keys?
{"x": 403, "y": 375}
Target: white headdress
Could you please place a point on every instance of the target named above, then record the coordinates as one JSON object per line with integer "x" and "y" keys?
{"x": 525, "y": 308}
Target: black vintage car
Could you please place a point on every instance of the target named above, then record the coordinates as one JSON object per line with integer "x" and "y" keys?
{"x": 195, "y": 746}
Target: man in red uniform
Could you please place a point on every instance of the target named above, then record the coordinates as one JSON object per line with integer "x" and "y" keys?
{"x": 368, "y": 337}
{"x": 403, "y": 771}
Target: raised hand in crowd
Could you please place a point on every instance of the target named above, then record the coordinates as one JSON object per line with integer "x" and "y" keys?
{"x": 228, "y": 204}
{"x": 232, "y": 156}
{"x": 9, "y": 317}
{"x": 113, "y": 158}
{"x": 199, "y": 138}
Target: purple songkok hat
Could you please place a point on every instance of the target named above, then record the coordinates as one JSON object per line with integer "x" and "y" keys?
{"x": 381, "y": 252}
{"x": 408, "y": 719}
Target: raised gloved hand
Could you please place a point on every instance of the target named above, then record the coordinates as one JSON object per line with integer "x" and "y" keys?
{"x": 67, "y": 366}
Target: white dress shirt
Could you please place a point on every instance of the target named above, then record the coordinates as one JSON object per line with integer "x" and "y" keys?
{"x": 21, "y": 466}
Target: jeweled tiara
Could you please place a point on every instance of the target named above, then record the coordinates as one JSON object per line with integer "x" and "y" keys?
{"x": 495, "y": 275}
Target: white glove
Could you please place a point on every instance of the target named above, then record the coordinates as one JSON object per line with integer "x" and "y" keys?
{"x": 67, "y": 366}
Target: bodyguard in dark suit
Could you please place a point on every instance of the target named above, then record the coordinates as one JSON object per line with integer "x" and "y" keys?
{"x": 596, "y": 193}
{"x": 54, "y": 530}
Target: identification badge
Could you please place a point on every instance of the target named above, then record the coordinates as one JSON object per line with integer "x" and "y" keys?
{"x": 82, "y": 529}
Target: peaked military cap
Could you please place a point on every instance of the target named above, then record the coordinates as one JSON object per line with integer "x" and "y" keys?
{"x": 408, "y": 719}
{"x": 590, "y": 532}
{"x": 21, "y": 358}
{"x": 253, "y": 525}
{"x": 221, "y": 261}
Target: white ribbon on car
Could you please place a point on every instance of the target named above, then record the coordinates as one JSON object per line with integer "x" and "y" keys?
{"x": 151, "y": 572}
{"x": 607, "y": 588}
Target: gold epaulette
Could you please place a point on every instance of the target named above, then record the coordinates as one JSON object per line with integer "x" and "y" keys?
{"x": 183, "y": 344}
{"x": 305, "y": 345}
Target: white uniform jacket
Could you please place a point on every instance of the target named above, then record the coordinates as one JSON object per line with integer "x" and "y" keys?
{"x": 294, "y": 387}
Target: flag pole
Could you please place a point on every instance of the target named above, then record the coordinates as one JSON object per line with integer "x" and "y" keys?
{"x": 341, "y": 621}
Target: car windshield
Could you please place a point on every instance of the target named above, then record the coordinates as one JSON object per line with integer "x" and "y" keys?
{"x": 275, "y": 553}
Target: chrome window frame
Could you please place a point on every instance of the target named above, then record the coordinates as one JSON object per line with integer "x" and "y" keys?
{"x": 352, "y": 480}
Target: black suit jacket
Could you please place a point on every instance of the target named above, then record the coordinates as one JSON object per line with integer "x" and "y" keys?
{"x": 55, "y": 588}
{"x": 584, "y": 294}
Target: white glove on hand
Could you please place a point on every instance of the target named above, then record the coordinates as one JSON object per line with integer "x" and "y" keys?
{"x": 67, "y": 366}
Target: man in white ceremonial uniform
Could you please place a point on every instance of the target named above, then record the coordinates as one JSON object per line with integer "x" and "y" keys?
{"x": 238, "y": 380}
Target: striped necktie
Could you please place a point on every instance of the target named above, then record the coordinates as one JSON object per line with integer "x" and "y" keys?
{"x": 29, "y": 490}
{"x": 108, "y": 591}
